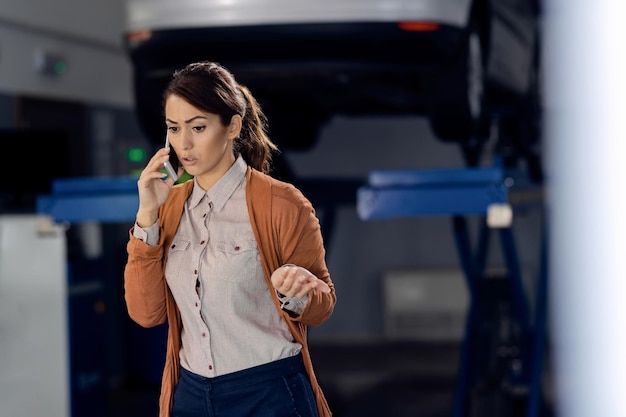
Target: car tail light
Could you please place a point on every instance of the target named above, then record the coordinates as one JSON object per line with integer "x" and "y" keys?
{"x": 418, "y": 26}
{"x": 138, "y": 36}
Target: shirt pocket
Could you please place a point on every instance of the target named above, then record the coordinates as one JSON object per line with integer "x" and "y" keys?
{"x": 237, "y": 259}
{"x": 177, "y": 256}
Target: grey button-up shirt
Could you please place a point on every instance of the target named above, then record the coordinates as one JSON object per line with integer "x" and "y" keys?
{"x": 214, "y": 272}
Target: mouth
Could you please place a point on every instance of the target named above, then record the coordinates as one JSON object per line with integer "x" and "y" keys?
{"x": 187, "y": 160}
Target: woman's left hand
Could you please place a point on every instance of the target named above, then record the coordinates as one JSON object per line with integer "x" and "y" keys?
{"x": 295, "y": 281}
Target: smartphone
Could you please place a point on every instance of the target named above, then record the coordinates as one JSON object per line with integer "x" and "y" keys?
{"x": 169, "y": 167}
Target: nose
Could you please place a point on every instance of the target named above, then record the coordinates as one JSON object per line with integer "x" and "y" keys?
{"x": 185, "y": 139}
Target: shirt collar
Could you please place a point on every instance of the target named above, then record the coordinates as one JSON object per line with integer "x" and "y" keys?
{"x": 223, "y": 188}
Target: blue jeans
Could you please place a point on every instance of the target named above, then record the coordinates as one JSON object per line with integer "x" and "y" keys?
{"x": 277, "y": 389}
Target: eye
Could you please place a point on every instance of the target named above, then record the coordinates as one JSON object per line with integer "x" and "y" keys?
{"x": 199, "y": 128}
{"x": 172, "y": 129}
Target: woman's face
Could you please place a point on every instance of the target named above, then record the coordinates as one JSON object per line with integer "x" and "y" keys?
{"x": 202, "y": 143}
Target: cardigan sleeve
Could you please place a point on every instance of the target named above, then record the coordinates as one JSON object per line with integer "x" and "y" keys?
{"x": 288, "y": 232}
{"x": 144, "y": 282}
{"x": 301, "y": 243}
{"x": 145, "y": 288}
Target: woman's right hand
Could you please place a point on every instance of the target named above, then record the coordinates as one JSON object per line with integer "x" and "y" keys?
{"x": 153, "y": 189}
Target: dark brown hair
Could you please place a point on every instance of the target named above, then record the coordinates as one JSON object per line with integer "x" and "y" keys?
{"x": 212, "y": 88}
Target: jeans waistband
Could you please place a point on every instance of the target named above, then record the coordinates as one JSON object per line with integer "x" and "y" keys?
{"x": 254, "y": 375}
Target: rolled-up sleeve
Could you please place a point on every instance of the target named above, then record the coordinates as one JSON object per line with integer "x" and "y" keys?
{"x": 149, "y": 235}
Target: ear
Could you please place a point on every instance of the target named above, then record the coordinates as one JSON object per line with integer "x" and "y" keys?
{"x": 234, "y": 127}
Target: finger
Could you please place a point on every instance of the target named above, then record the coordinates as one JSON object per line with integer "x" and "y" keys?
{"x": 157, "y": 162}
{"x": 318, "y": 285}
{"x": 158, "y": 159}
{"x": 289, "y": 274}
{"x": 147, "y": 177}
{"x": 168, "y": 180}
{"x": 295, "y": 285}
{"x": 279, "y": 280}
{"x": 302, "y": 287}
{"x": 321, "y": 286}
{"x": 306, "y": 284}
{"x": 285, "y": 279}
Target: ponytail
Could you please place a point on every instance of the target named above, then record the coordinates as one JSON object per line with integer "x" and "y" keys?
{"x": 253, "y": 142}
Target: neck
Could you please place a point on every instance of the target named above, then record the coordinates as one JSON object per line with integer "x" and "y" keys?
{"x": 209, "y": 179}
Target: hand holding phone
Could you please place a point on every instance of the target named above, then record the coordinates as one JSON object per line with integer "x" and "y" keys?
{"x": 171, "y": 172}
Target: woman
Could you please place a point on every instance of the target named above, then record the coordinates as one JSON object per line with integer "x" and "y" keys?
{"x": 232, "y": 260}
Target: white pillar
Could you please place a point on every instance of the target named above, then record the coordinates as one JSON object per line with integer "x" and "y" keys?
{"x": 585, "y": 90}
{"x": 34, "y": 344}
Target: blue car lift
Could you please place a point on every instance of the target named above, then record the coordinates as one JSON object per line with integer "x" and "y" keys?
{"x": 115, "y": 199}
{"x": 76, "y": 200}
{"x": 458, "y": 193}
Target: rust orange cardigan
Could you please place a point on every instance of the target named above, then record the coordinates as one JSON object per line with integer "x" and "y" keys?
{"x": 286, "y": 231}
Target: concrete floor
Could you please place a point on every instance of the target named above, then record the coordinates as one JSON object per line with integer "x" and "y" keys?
{"x": 387, "y": 379}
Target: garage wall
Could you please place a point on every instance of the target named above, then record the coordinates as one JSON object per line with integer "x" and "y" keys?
{"x": 85, "y": 36}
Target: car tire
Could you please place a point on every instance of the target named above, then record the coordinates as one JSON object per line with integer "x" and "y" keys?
{"x": 456, "y": 104}
{"x": 296, "y": 130}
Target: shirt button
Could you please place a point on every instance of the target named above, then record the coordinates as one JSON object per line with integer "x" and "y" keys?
{"x": 202, "y": 243}
{"x": 203, "y": 334}
{"x": 210, "y": 367}
{"x": 195, "y": 272}
{"x": 196, "y": 304}
{"x": 204, "y": 215}
{"x": 237, "y": 247}
{"x": 173, "y": 246}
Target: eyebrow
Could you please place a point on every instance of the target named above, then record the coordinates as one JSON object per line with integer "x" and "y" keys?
{"x": 187, "y": 121}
